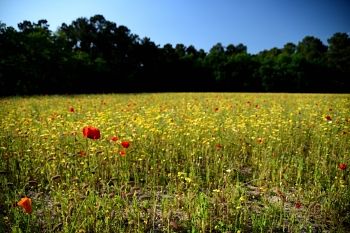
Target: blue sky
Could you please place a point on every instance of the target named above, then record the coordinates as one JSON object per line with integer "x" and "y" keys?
{"x": 258, "y": 24}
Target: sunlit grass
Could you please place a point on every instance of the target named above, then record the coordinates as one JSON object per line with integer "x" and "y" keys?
{"x": 197, "y": 162}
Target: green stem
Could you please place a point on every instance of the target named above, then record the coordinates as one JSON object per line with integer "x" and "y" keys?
{"x": 28, "y": 222}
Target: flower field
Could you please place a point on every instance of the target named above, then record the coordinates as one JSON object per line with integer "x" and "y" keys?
{"x": 175, "y": 162}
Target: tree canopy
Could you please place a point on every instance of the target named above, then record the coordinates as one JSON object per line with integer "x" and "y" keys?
{"x": 94, "y": 55}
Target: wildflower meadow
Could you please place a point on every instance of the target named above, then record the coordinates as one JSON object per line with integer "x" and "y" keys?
{"x": 175, "y": 162}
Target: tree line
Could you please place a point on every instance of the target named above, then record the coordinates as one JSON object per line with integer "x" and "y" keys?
{"x": 98, "y": 56}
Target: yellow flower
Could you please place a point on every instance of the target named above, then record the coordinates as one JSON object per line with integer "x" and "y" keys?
{"x": 189, "y": 180}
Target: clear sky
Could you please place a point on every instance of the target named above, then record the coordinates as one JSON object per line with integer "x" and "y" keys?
{"x": 258, "y": 24}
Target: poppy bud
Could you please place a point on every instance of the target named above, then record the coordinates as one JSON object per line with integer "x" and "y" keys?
{"x": 113, "y": 139}
{"x": 122, "y": 152}
{"x": 342, "y": 166}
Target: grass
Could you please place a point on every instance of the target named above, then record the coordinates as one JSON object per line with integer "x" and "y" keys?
{"x": 197, "y": 162}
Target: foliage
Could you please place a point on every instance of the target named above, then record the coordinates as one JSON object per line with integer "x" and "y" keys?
{"x": 34, "y": 60}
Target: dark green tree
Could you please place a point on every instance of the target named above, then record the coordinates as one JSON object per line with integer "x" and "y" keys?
{"x": 339, "y": 52}
{"x": 339, "y": 61}
{"x": 230, "y": 50}
{"x": 239, "y": 73}
{"x": 202, "y": 54}
{"x": 274, "y": 52}
{"x": 241, "y": 48}
{"x": 312, "y": 48}
{"x": 218, "y": 48}
{"x": 180, "y": 50}
{"x": 28, "y": 58}
{"x": 191, "y": 50}
{"x": 110, "y": 50}
{"x": 289, "y": 48}
{"x": 94, "y": 55}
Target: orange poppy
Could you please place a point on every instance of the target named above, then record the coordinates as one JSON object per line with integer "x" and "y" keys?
{"x": 26, "y": 204}
{"x": 91, "y": 132}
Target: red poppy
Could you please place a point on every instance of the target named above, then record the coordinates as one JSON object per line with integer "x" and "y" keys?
{"x": 91, "y": 132}
{"x": 83, "y": 153}
{"x": 113, "y": 139}
{"x": 122, "y": 152}
{"x": 71, "y": 109}
{"x": 279, "y": 192}
{"x": 216, "y": 109}
{"x": 125, "y": 144}
{"x": 218, "y": 146}
{"x": 342, "y": 166}
{"x": 26, "y": 204}
{"x": 260, "y": 140}
{"x": 328, "y": 118}
{"x": 297, "y": 205}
